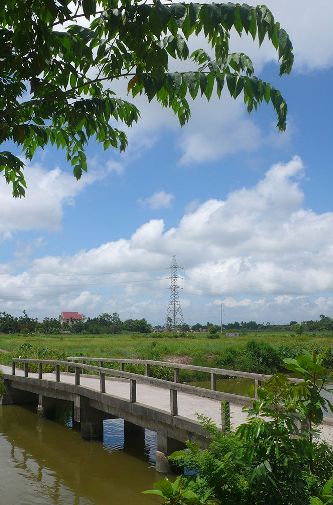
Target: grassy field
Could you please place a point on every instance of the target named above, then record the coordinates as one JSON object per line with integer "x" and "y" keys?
{"x": 262, "y": 352}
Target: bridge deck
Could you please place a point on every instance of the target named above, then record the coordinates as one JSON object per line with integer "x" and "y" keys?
{"x": 188, "y": 405}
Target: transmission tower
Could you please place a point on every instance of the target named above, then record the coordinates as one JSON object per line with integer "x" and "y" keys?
{"x": 174, "y": 316}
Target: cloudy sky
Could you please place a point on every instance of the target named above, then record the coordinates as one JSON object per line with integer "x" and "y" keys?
{"x": 247, "y": 211}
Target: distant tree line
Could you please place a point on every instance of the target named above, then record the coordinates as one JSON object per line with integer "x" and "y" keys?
{"x": 325, "y": 323}
{"x": 112, "y": 324}
{"x": 102, "y": 324}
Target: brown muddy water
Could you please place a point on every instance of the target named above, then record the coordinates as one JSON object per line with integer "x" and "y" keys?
{"x": 46, "y": 462}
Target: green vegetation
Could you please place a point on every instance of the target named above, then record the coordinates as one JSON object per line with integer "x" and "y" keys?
{"x": 272, "y": 459}
{"x": 260, "y": 352}
{"x": 61, "y": 61}
{"x": 104, "y": 323}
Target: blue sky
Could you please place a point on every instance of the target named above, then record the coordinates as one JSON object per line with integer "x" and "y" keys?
{"x": 247, "y": 210}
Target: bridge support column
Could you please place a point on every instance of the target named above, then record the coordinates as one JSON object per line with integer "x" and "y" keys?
{"x": 90, "y": 419}
{"x": 47, "y": 407}
{"x": 165, "y": 446}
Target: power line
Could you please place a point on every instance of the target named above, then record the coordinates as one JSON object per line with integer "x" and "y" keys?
{"x": 174, "y": 317}
{"x": 74, "y": 287}
{"x": 77, "y": 274}
{"x": 106, "y": 284}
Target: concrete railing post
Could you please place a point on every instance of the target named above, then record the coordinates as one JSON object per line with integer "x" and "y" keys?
{"x": 176, "y": 375}
{"x": 256, "y": 385}
{"x": 147, "y": 370}
{"x": 57, "y": 371}
{"x": 173, "y": 402}
{"x": 40, "y": 371}
{"x": 13, "y": 368}
{"x": 26, "y": 369}
{"x": 225, "y": 416}
{"x": 132, "y": 390}
{"x": 213, "y": 378}
{"x": 77, "y": 375}
{"x": 102, "y": 382}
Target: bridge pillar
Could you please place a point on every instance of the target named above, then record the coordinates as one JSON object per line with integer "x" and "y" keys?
{"x": 165, "y": 446}
{"x": 90, "y": 419}
{"x": 47, "y": 407}
{"x": 134, "y": 438}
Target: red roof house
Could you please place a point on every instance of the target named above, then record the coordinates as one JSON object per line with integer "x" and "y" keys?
{"x": 70, "y": 317}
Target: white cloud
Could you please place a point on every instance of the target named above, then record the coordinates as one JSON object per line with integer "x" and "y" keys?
{"x": 115, "y": 167}
{"x": 158, "y": 200}
{"x": 259, "y": 250}
{"x": 49, "y": 191}
{"x": 283, "y": 308}
{"x": 226, "y": 131}
{"x": 85, "y": 299}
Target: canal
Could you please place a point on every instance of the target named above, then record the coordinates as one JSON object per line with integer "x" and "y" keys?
{"x": 46, "y": 462}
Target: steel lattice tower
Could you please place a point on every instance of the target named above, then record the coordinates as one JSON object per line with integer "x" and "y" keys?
{"x": 174, "y": 316}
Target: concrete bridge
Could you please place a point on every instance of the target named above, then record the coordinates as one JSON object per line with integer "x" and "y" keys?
{"x": 98, "y": 392}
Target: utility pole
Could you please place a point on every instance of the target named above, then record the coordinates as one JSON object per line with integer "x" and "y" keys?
{"x": 174, "y": 317}
{"x": 221, "y": 320}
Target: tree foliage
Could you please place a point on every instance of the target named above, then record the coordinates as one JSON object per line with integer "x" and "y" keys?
{"x": 102, "y": 324}
{"x": 60, "y": 60}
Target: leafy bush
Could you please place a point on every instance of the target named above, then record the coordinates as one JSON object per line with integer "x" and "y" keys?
{"x": 273, "y": 459}
{"x": 261, "y": 357}
{"x": 229, "y": 358}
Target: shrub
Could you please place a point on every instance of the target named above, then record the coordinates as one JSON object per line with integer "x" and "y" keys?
{"x": 271, "y": 459}
{"x": 261, "y": 357}
{"x": 229, "y": 358}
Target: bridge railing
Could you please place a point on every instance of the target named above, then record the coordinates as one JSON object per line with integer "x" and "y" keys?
{"x": 213, "y": 373}
{"x": 60, "y": 368}
{"x": 74, "y": 367}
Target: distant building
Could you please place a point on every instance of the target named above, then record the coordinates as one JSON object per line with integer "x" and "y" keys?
{"x": 71, "y": 317}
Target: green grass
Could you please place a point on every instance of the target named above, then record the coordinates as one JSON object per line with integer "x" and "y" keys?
{"x": 226, "y": 352}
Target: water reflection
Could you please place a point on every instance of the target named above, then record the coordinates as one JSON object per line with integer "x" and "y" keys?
{"x": 45, "y": 463}
{"x": 114, "y": 440}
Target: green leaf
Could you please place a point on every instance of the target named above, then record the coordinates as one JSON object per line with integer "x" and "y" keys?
{"x": 186, "y": 27}
{"x": 209, "y": 86}
{"x": 193, "y": 10}
{"x": 178, "y": 11}
{"x": 245, "y": 12}
{"x": 267, "y": 93}
{"x": 314, "y": 500}
{"x": 153, "y": 491}
{"x": 231, "y": 83}
{"x": 239, "y": 87}
{"x": 328, "y": 488}
{"x": 228, "y": 14}
{"x": 89, "y": 8}
{"x": 192, "y": 81}
{"x": 238, "y": 20}
{"x": 253, "y": 24}
{"x": 166, "y": 487}
{"x": 203, "y": 83}
{"x": 219, "y": 84}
